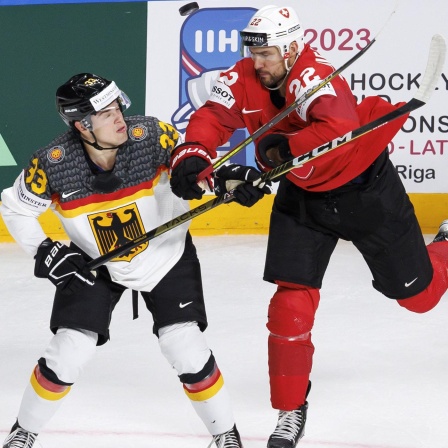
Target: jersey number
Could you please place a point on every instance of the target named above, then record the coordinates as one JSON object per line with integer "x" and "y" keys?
{"x": 36, "y": 179}
{"x": 168, "y": 141}
{"x": 307, "y": 78}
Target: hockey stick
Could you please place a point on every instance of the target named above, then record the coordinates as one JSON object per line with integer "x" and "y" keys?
{"x": 432, "y": 74}
{"x": 434, "y": 67}
{"x": 307, "y": 95}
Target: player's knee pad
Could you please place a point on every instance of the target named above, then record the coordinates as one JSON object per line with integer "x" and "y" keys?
{"x": 292, "y": 310}
{"x": 290, "y": 350}
{"x": 431, "y": 295}
{"x": 185, "y": 348}
{"x": 66, "y": 355}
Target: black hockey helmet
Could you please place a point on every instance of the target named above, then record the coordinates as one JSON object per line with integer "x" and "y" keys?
{"x": 85, "y": 94}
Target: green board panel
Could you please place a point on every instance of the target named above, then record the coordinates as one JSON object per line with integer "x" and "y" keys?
{"x": 42, "y": 46}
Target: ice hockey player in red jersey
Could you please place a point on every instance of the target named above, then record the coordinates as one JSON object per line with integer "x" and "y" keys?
{"x": 352, "y": 193}
{"x": 107, "y": 180}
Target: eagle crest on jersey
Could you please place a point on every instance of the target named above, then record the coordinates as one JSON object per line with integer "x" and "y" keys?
{"x": 114, "y": 228}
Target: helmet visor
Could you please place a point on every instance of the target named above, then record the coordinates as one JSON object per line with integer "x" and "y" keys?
{"x": 109, "y": 94}
{"x": 249, "y": 39}
{"x": 123, "y": 101}
{"x": 108, "y": 114}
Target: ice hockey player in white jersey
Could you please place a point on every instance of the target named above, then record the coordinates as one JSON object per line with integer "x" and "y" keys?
{"x": 107, "y": 179}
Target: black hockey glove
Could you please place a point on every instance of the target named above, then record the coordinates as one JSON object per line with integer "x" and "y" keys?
{"x": 64, "y": 267}
{"x": 187, "y": 161}
{"x": 274, "y": 150}
{"x": 243, "y": 190}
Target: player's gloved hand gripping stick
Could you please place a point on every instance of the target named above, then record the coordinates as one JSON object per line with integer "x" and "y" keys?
{"x": 64, "y": 267}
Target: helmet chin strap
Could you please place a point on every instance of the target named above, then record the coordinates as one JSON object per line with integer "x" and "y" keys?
{"x": 95, "y": 143}
{"x": 288, "y": 69}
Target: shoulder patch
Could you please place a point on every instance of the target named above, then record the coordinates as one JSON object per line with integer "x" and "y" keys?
{"x": 302, "y": 109}
{"x": 222, "y": 94}
{"x": 138, "y": 132}
{"x": 56, "y": 154}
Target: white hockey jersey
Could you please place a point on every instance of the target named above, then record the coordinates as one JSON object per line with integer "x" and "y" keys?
{"x": 59, "y": 177}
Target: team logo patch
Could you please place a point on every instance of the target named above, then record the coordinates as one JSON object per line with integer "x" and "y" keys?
{"x": 114, "y": 228}
{"x": 56, "y": 154}
{"x": 284, "y": 12}
{"x": 138, "y": 132}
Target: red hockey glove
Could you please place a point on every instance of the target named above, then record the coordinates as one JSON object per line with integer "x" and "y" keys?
{"x": 64, "y": 267}
{"x": 274, "y": 150}
{"x": 245, "y": 193}
{"x": 187, "y": 161}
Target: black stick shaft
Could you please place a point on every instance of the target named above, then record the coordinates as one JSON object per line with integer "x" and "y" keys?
{"x": 273, "y": 174}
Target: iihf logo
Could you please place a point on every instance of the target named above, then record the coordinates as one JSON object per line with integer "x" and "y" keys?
{"x": 209, "y": 43}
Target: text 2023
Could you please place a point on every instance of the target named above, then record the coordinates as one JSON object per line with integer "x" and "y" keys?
{"x": 344, "y": 39}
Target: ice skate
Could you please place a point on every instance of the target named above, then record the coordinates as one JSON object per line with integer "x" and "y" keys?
{"x": 290, "y": 428}
{"x": 442, "y": 235}
{"x": 229, "y": 439}
{"x": 19, "y": 438}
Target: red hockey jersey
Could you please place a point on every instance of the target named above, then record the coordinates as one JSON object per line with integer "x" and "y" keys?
{"x": 238, "y": 99}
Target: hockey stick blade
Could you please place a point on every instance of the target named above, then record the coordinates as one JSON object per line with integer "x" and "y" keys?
{"x": 307, "y": 95}
{"x": 432, "y": 74}
{"x": 436, "y": 60}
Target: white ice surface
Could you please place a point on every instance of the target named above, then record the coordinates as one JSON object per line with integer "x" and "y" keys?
{"x": 380, "y": 377}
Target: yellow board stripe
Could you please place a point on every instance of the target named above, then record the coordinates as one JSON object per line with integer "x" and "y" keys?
{"x": 207, "y": 393}
{"x": 231, "y": 219}
{"x": 46, "y": 394}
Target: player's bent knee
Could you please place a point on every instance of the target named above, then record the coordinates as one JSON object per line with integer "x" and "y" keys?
{"x": 292, "y": 310}
{"x": 185, "y": 347}
{"x": 427, "y": 299}
{"x": 67, "y": 354}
